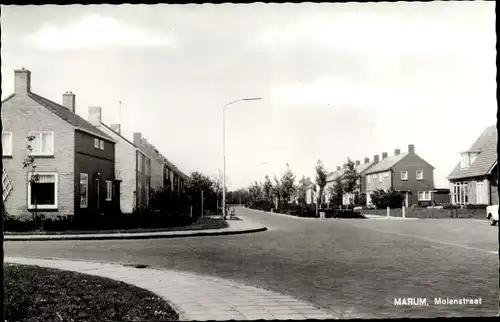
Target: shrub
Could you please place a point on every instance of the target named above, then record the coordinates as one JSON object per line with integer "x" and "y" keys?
{"x": 334, "y": 213}
{"x": 262, "y": 204}
{"x": 478, "y": 206}
{"x": 383, "y": 199}
{"x": 450, "y": 206}
{"x": 61, "y": 223}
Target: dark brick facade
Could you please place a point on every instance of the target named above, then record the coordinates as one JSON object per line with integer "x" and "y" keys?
{"x": 411, "y": 163}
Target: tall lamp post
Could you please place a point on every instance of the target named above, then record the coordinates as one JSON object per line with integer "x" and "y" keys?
{"x": 224, "y": 149}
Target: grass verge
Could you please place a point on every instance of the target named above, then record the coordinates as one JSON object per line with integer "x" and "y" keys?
{"x": 44, "y": 294}
{"x": 202, "y": 224}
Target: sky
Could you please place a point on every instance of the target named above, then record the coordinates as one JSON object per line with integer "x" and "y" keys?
{"x": 336, "y": 80}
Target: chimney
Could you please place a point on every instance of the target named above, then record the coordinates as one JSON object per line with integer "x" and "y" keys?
{"x": 116, "y": 128}
{"x": 344, "y": 165}
{"x": 397, "y": 151}
{"x": 95, "y": 115}
{"x": 358, "y": 163}
{"x": 384, "y": 155}
{"x": 338, "y": 168}
{"x": 137, "y": 138}
{"x": 375, "y": 158}
{"x": 411, "y": 148}
{"x": 68, "y": 101}
{"x": 22, "y": 81}
{"x": 367, "y": 160}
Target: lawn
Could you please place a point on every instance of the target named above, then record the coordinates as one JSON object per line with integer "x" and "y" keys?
{"x": 43, "y": 294}
{"x": 202, "y": 224}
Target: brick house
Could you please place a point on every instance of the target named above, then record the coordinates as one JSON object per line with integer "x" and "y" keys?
{"x": 474, "y": 180}
{"x": 75, "y": 161}
{"x": 404, "y": 172}
{"x": 132, "y": 167}
{"x": 163, "y": 172}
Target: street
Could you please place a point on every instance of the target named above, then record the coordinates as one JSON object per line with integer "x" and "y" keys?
{"x": 351, "y": 267}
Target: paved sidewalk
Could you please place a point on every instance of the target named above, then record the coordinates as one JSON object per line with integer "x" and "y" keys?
{"x": 385, "y": 217}
{"x": 235, "y": 227}
{"x": 193, "y": 296}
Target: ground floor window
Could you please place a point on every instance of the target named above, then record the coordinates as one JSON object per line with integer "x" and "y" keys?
{"x": 424, "y": 196}
{"x": 42, "y": 190}
{"x": 109, "y": 190}
{"x": 481, "y": 193}
{"x": 460, "y": 193}
{"x": 84, "y": 190}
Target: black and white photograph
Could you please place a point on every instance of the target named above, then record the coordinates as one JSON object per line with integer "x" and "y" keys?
{"x": 256, "y": 161}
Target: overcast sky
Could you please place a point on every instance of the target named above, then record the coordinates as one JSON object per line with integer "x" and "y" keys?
{"x": 337, "y": 80}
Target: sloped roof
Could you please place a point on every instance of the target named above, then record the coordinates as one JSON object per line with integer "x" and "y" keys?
{"x": 360, "y": 169}
{"x": 386, "y": 163}
{"x": 117, "y": 134}
{"x": 70, "y": 117}
{"x": 335, "y": 175}
{"x": 486, "y": 145}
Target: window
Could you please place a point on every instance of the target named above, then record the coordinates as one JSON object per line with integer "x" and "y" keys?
{"x": 97, "y": 194}
{"x": 109, "y": 190}
{"x": 460, "y": 193}
{"x": 84, "y": 190}
{"x": 466, "y": 159}
{"x": 7, "y": 144}
{"x": 380, "y": 177}
{"x": 368, "y": 179}
{"x": 420, "y": 175}
{"x": 480, "y": 193}
{"x": 386, "y": 175}
{"x": 42, "y": 191}
{"x": 101, "y": 144}
{"x": 96, "y": 143}
{"x": 404, "y": 175}
{"x": 424, "y": 196}
{"x": 43, "y": 143}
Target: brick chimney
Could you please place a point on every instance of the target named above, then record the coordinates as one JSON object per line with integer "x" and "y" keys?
{"x": 338, "y": 168}
{"x": 138, "y": 138}
{"x": 397, "y": 151}
{"x": 22, "y": 81}
{"x": 358, "y": 163}
{"x": 375, "y": 158}
{"x": 384, "y": 155}
{"x": 68, "y": 101}
{"x": 344, "y": 165}
{"x": 116, "y": 128}
{"x": 367, "y": 160}
{"x": 95, "y": 115}
{"x": 411, "y": 148}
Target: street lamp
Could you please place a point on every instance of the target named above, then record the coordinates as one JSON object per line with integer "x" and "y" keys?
{"x": 224, "y": 149}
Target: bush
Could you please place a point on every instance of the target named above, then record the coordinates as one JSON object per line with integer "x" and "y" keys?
{"x": 61, "y": 223}
{"x": 450, "y": 206}
{"x": 343, "y": 214}
{"x": 262, "y": 204}
{"x": 383, "y": 199}
{"x": 478, "y": 206}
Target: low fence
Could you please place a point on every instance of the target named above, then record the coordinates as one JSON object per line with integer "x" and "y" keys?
{"x": 429, "y": 213}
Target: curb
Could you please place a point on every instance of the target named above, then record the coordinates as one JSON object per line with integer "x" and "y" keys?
{"x": 123, "y": 236}
{"x": 303, "y": 218}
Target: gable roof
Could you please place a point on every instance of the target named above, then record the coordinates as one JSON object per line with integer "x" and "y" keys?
{"x": 386, "y": 163}
{"x": 70, "y": 117}
{"x": 335, "y": 175}
{"x": 486, "y": 145}
{"x": 360, "y": 169}
{"x": 117, "y": 134}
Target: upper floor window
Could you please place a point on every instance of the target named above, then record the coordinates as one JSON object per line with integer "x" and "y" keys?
{"x": 101, "y": 144}
{"x": 420, "y": 175}
{"x": 404, "y": 175}
{"x": 7, "y": 144}
{"x": 380, "y": 177}
{"x": 386, "y": 175}
{"x": 98, "y": 144}
{"x": 42, "y": 143}
{"x": 467, "y": 158}
{"x": 368, "y": 179}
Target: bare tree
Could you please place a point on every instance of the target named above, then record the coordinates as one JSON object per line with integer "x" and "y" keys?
{"x": 34, "y": 179}
{"x": 321, "y": 176}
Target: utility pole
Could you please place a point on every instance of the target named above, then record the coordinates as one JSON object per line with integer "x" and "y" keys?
{"x": 202, "y": 212}
{"x": 120, "y": 111}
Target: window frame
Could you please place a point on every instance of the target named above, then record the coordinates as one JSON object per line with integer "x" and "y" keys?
{"x": 109, "y": 190}
{"x": 52, "y": 142}
{"x": 368, "y": 179}
{"x": 86, "y": 175}
{"x": 101, "y": 145}
{"x": 9, "y": 144}
{"x": 426, "y": 196}
{"x": 56, "y": 191}
{"x": 421, "y": 177}
{"x": 405, "y": 176}
{"x": 380, "y": 178}
{"x": 96, "y": 143}
{"x": 479, "y": 192}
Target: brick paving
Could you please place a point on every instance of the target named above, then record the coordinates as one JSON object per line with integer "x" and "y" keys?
{"x": 194, "y": 296}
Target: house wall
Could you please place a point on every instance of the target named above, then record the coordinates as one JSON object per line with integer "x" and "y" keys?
{"x": 375, "y": 183}
{"x": 20, "y": 114}
{"x": 412, "y": 163}
{"x": 96, "y": 163}
{"x": 472, "y": 197}
{"x": 125, "y": 168}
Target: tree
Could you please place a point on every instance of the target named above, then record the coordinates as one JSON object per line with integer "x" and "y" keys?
{"x": 268, "y": 188}
{"x": 321, "y": 176}
{"x": 287, "y": 184}
{"x": 350, "y": 181}
{"x": 391, "y": 198}
{"x": 277, "y": 190}
{"x": 195, "y": 185}
{"x": 304, "y": 185}
{"x": 336, "y": 192}
{"x": 34, "y": 179}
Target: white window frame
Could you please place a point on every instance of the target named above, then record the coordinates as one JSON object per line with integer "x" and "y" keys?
{"x": 419, "y": 177}
{"x": 9, "y": 144}
{"x": 480, "y": 189}
{"x": 426, "y": 196}
{"x": 96, "y": 143}
{"x": 380, "y": 179}
{"x": 386, "y": 174}
{"x": 101, "y": 145}
{"x": 40, "y": 133}
{"x": 404, "y": 175}
{"x": 459, "y": 193}
{"x": 56, "y": 190}
{"x": 86, "y": 176}
{"x": 109, "y": 190}
{"x": 368, "y": 179}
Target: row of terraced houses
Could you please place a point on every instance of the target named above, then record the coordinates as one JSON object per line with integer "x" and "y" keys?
{"x": 83, "y": 165}
{"x": 474, "y": 180}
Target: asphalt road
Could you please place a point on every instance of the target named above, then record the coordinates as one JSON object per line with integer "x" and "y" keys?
{"x": 351, "y": 267}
